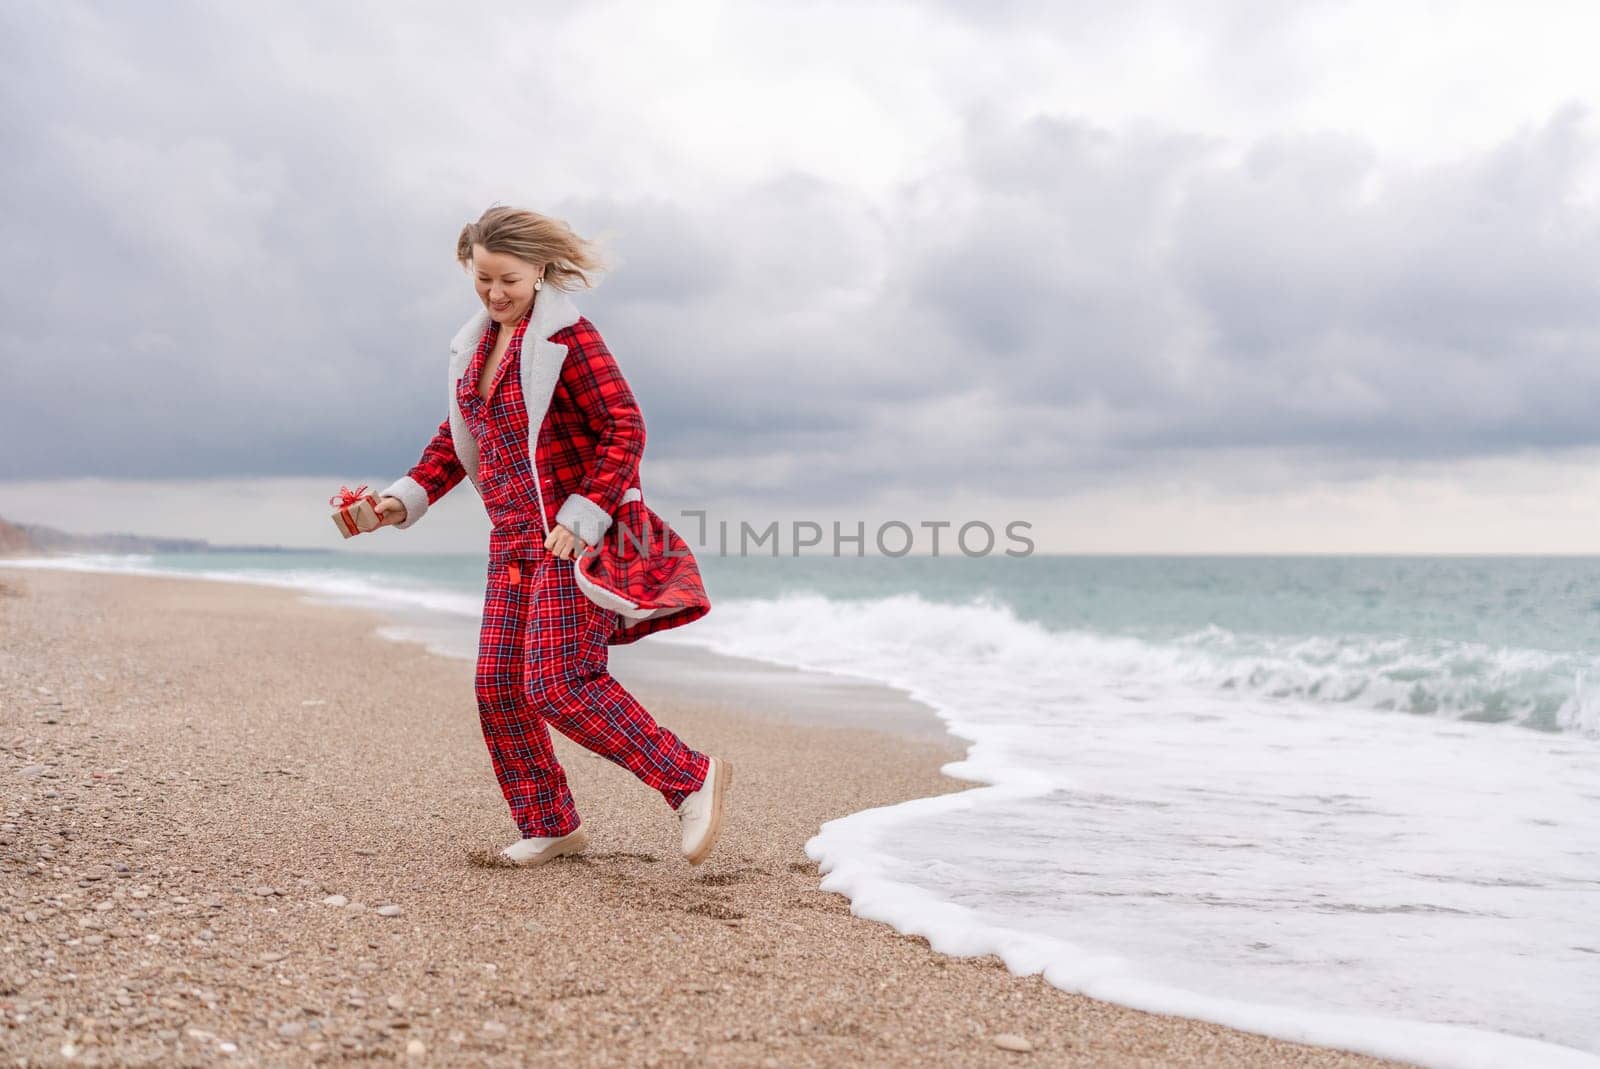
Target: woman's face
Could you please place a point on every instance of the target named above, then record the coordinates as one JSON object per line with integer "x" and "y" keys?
{"x": 504, "y": 283}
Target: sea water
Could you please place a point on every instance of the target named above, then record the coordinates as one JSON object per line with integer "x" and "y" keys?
{"x": 1353, "y": 801}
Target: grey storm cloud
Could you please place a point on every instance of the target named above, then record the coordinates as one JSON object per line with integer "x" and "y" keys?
{"x": 1162, "y": 295}
{"x": 216, "y": 265}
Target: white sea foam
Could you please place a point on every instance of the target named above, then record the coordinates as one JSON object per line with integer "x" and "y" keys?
{"x": 1409, "y": 886}
{"x": 334, "y": 586}
{"x": 1453, "y": 679}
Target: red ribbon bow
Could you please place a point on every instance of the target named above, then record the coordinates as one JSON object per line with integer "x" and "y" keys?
{"x": 346, "y": 496}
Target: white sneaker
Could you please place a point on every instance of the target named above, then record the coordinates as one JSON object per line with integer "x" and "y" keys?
{"x": 701, "y": 812}
{"x": 539, "y": 849}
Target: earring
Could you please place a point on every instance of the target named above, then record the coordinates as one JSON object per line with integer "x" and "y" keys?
{"x": 538, "y": 283}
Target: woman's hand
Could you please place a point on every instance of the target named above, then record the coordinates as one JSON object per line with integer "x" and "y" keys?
{"x": 562, "y": 541}
{"x": 391, "y": 510}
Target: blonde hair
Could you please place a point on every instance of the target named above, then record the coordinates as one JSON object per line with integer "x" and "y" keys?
{"x": 538, "y": 239}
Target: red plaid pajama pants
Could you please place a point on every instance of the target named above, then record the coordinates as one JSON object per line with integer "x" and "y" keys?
{"x": 542, "y": 661}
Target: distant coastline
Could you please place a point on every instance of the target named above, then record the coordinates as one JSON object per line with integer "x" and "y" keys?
{"x": 29, "y": 539}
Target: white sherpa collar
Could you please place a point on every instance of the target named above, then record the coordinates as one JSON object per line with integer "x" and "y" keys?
{"x": 541, "y": 360}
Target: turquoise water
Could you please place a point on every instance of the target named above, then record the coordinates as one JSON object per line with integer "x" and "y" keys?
{"x": 1551, "y": 602}
{"x": 1480, "y": 638}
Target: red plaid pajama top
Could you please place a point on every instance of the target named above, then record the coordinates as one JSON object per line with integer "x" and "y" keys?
{"x": 590, "y": 442}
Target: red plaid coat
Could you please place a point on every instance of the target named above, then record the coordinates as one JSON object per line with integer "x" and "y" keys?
{"x": 586, "y": 465}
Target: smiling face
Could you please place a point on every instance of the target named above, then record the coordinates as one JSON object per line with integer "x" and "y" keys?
{"x": 504, "y": 284}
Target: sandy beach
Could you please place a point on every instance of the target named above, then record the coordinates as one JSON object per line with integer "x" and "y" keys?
{"x": 193, "y": 769}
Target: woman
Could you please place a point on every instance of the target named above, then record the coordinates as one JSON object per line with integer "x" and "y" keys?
{"x": 530, "y": 361}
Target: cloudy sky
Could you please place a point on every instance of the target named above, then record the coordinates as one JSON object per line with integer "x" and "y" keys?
{"x": 1166, "y": 276}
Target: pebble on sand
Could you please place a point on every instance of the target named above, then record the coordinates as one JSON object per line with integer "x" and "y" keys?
{"x": 390, "y": 911}
{"x": 336, "y": 900}
{"x": 1012, "y": 1041}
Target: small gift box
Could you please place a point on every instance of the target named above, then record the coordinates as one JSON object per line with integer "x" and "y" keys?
{"x": 358, "y": 510}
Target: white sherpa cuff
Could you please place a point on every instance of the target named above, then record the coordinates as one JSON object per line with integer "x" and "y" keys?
{"x": 412, "y": 495}
{"x": 584, "y": 519}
